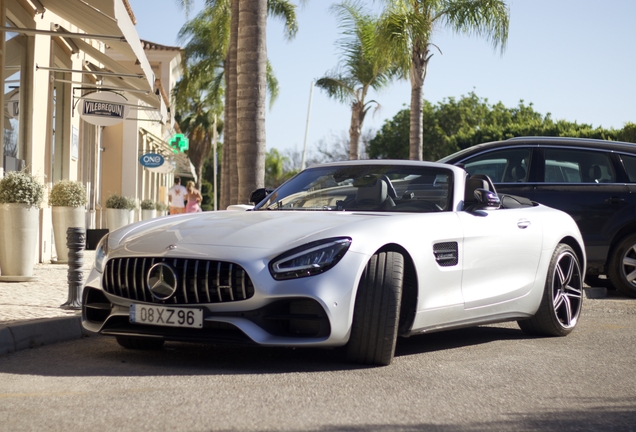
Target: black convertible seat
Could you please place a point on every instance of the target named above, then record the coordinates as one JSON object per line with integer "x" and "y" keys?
{"x": 374, "y": 193}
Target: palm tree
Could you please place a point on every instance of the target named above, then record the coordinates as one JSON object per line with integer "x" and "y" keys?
{"x": 225, "y": 23}
{"x": 407, "y": 29}
{"x": 363, "y": 66}
{"x": 251, "y": 67}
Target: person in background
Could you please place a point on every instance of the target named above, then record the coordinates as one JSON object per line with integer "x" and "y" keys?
{"x": 194, "y": 198}
{"x": 176, "y": 197}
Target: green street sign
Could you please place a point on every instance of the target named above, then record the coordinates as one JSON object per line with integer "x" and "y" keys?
{"x": 179, "y": 143}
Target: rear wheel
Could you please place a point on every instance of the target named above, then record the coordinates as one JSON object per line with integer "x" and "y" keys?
{"x": 562, "y": 297}
{"x": 377, "y": 310}
{"x": 622, "y": 269}
{"x": 139, "y": 343}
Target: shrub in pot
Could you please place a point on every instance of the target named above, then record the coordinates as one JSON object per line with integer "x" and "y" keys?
{"x": 162, "y": 208}
{"x": 20, "y": 198}
{"x": 68, "y": 205}
{"x": 148, "y": 209}
{"x": 120, "y": 211}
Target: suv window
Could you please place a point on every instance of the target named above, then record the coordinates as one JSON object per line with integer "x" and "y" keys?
{"x": 502, "y": 166}
{"x": 629, "y": 162}
{"x": 577, "y": 166}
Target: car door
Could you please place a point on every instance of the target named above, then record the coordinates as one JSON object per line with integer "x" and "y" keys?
{"x": 584, "y": 184}
{"x": 501, "y": 254}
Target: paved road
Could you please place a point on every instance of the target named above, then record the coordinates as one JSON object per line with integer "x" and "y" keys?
{"x": 484, "y": 378}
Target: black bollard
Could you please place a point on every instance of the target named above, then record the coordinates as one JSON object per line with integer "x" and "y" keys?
{"x": 75, "y": 241}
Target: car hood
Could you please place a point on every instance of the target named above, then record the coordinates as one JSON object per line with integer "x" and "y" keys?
{"x": 252, "y": 229}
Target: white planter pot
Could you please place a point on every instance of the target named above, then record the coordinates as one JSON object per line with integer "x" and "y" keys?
{"x": 64, "y": 218}
{"x": 117, "y": 218}
{"x": 19, "y": 226}
{"x": 148, "y": 214}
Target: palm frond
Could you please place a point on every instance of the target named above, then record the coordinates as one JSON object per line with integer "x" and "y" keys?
{"x": 285, "y": 10}
{"x": 272, "y": 84}
{"x": 484, "y": 18}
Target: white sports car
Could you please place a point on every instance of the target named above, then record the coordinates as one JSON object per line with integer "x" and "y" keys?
{"x": 349, "y": 253}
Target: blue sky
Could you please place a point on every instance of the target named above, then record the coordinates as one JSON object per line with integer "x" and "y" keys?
{"x": 575, "y": 59}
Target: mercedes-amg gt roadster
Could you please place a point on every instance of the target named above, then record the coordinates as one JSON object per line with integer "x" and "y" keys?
{"x": 349, "y": 254}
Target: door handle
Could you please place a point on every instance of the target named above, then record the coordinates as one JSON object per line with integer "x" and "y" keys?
{"x": 523, "y": 223}
{"x": 615, "y": 200}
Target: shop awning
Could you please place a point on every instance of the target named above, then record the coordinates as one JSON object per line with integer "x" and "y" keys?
{"x": 110, "y": 18}
{"x": 134, "y": 83}
{"x": 105, "y": 17}
{"x": 14, "y": 49}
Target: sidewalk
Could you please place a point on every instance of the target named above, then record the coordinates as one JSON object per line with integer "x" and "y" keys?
{"x": 30, "y": 313}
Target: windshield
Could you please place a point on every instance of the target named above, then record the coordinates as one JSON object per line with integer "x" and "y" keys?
{"x": 408, "y": 188}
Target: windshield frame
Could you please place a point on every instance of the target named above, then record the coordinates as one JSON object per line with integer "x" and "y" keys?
{"x": 323, "y": 183}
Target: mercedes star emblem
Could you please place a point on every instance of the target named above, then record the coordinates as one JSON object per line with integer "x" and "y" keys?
{"x": 162, "y": 281}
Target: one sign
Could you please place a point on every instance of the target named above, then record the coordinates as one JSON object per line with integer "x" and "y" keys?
{"x": 104, "y": 108}
{"x": 179, "y": 143}
{"x": 151, "y": 160}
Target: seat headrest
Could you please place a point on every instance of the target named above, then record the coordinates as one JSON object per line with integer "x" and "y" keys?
{"x": 372, "y": 194}
{"x": 595, "y": 173}
{"x": 518, "y": 173}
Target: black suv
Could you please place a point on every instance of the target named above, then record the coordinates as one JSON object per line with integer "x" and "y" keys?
{"x": 594, "y": 181}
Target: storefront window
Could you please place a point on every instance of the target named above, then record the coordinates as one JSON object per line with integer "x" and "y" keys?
{"x": 14, "y": 47}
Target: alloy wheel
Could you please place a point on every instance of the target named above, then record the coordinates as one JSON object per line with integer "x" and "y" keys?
{"x": 567, "y": 289}
{"x": 629, "y": 265}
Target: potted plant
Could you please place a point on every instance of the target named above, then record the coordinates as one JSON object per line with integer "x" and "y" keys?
{"x": 68, "y": 205}
{"x": 20, "y": 198}
{"x": 162, "y": 209}
{"x": 148, "y": 209}
{"x": 120, "y": 211}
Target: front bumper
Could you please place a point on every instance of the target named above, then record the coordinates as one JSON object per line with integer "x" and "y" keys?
{"x": 311, "y": 311}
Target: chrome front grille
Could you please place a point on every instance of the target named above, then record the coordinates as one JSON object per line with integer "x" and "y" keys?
{"x": 198, "y": 281}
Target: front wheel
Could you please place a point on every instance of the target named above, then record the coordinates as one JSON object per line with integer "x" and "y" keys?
{"x": 562, "y": 299}
{"x": 377, "y": 310}
{"x": 622, "y": 268}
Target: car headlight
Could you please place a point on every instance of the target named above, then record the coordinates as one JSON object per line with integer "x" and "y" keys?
{"x": 310, "y": 259}
{"x": 101, "y": 252}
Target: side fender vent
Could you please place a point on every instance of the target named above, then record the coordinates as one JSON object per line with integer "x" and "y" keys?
{"x": 446, "y": 254}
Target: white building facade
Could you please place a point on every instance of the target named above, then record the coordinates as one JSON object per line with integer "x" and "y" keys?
{"x": 62, "y": 59}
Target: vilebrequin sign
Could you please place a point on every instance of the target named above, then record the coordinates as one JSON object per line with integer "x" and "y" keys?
{"x": 104, "y": 108}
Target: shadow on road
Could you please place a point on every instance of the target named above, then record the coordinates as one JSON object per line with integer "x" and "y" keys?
{"x": 102, "y": 356}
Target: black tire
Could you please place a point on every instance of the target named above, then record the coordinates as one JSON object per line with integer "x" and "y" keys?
{"x": 377, "y": 311}
{"x": 139, "y": 343}
{"x": 562, "y": 300}
{"x": 622, "y": 268}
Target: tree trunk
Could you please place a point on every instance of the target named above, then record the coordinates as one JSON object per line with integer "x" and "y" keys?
{"x": 251, "y": 92}
{"x": 224, "y": 187}
{"x": 355, "y": 130}
{"x": 417, "y": 75}
{"x": 232, "y": 164}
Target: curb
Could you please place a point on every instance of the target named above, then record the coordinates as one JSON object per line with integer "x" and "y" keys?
{"x": 35, "y": 333}
{"x": 595, "y": 292}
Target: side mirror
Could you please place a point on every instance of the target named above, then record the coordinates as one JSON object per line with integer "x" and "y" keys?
{"x": 259, "y": 195}
{"x": 487, "y": 199}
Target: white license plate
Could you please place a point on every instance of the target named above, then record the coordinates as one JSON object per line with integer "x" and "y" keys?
{"x": 166, "y": 316}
